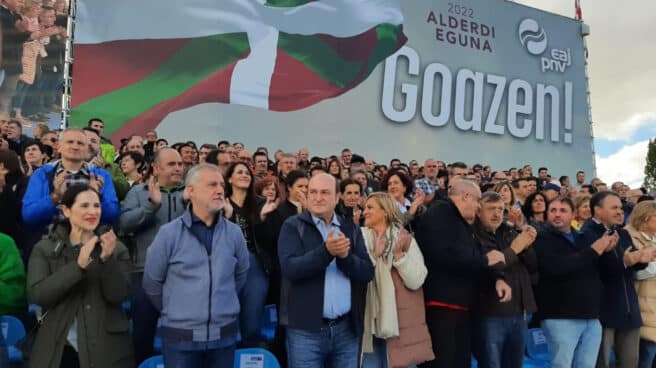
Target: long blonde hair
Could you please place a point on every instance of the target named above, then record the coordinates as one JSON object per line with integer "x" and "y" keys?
{"x": 392, "y": 213}
{"x": 641, "y": 214}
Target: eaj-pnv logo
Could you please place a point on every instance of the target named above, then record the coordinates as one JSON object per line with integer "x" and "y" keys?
{"x": 534, "y": 38}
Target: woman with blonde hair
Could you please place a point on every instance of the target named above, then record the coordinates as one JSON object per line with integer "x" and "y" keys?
{"x": 395, "y": 331}
{"x": 582, "y": 212}
{"x": 642, "y": 228}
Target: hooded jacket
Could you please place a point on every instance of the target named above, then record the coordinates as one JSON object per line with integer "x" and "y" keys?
{"x": 12, "y": 277}
{"x": 92, "y": 297}
{"x": 38, "y": 209}
{"x": 141, "y": 219}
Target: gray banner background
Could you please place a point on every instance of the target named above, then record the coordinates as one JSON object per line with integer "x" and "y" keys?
{"x": 356, "y": 120}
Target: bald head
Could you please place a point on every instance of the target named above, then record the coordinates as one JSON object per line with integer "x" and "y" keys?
{"x": 167, "y": 167}
{"x": 461, "y": 186}
{"x": 465, "y": 195}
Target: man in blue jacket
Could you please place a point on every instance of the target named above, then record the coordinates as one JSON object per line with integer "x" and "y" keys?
{"x": 194, "y": 270}
{"x": 620, "y": 312}
{"x": 48, "y": 183}
{"x": 325, "y": 269}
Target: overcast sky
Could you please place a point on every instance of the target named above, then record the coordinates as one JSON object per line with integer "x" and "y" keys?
{"x": 622, "y": 67}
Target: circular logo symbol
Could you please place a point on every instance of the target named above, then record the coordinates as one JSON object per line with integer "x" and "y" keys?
{"x": 532, "y": 36}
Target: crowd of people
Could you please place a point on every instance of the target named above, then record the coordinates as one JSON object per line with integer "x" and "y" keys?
{"x": 368, "y": 264}
{"x": 33, "y": 41}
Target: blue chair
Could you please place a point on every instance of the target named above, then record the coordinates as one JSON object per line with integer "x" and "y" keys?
{"x": 13, "y": 331}
{"x": 474, "y": 362}
{"x": 153, "y": 362}
{"x": 530, "y": 363}
{"x": 157, "y": 344}
{"x": 255, "y": 357}
{"x": 536, "y": 346}
{"x": 270, "y": 322}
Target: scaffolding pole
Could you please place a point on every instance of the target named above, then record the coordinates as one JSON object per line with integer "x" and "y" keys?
{"x": 68, "y": 64}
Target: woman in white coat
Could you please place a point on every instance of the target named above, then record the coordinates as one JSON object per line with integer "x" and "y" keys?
{"x": 395, "y": 331}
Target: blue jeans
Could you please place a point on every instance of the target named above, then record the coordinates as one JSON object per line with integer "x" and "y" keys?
{"x": 377, "y": 359}
{"x": 144, "y": 320}
{"x": 333, "y": 346}
{"x": 251, "y": 300}
{"x": 647, "y": 353}
{"x": 573, "y": 342}
{"x": 502, "y": 341}
{"x": 49, "y": 90}
{"x": 22, "y": 90}
{"x": 211, "y": 358}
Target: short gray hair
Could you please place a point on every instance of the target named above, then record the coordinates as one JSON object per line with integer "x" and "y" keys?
{"x": 491, "y": 197}
{"x": 194, "y": 172}
{"x": 61, "y": 134}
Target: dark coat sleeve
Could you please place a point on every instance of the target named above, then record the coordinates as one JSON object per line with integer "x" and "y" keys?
{"x": 297, "y": 263}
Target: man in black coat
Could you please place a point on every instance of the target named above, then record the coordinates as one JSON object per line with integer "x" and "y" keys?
{"x": 456, "y": 270}
{"x": 500, "y": 328}
{"x": 569, "y": 289}
{"x": 620, "y": 311}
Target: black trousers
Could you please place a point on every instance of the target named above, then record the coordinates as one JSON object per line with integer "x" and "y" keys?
{"x": 69, "y": 358}
{"x": 450, "y": 332}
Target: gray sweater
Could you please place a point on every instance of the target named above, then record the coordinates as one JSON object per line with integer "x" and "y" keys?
{"x": 141, "y": 219}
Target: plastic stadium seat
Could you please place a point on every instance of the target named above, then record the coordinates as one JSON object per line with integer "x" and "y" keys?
{"x": 13, "y": 331}
{"x": 536, "y": 346}
{"x": 530, "y": 363}
{"x": 270, "y": 322}
{"x": 255, "y": 357}
{"x": 474, "y": 362}
{"x": 153, "y": 362}
{"x": 157, "y": 344}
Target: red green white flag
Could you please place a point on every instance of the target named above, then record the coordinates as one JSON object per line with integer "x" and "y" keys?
{"x": 138, "y": 61}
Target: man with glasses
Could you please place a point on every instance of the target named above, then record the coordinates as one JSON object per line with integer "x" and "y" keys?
{"x": 456, "y": 267}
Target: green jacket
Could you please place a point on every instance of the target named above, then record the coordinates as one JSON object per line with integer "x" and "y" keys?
{"x": 107, "y": 150}
{"x": 92, "y": 297}
{"x": 12, "y": 277}
{"x": 121, "y": 185}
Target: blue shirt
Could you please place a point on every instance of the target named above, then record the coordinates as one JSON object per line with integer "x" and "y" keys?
{"x": 202, "y": 232}
{"x": 569, "y": 236}
{"x": 336, "y": 287}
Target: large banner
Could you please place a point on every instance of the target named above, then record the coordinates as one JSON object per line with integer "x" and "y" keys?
{"x": 33, "y": 44}
{"x": 473, "y": 80}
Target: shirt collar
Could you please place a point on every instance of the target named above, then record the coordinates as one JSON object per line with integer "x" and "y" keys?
{"x": 84, "y": 170}
{"x": 318, "y": 220}
{"x": 196, "y": 220}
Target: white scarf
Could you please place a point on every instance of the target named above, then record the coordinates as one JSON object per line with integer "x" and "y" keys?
{"x": 381, "y": 316}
